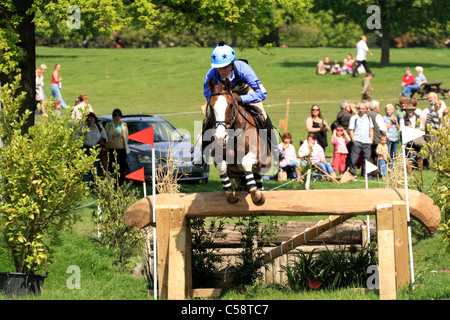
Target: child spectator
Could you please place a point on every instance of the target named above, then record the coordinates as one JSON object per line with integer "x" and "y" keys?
{"x": 383, "y": 155}
{"x": 289, "y": 155}
{"x": 317, "y": 156}
{"x": 339, "y": 140}
{"x": 367, "y": 88}
{"x": 336, "y": 68}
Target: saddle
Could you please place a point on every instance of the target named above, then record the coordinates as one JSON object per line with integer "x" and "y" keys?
{"x": 255, "y": 112}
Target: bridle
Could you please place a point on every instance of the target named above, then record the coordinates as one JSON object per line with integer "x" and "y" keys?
{"x": 233, "y": 107}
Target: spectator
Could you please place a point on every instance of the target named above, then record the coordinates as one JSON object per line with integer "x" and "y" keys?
{"x": 317, "y": 125}
{"x": 343, "y": 118}
{"x": 403, "y": 102}
{"x": 56, "y": 85}
{"x": 312, "y": 149}
{"x": 335, "y": 68}
{"x": 339, "y": 140}
{"x": 379, "y": 127}
{"x": 39, "y": 93}
{"x": 393, "y": 127}
{"x": 57, "y": 107}
{"x": 408, "y": 78}
{"x": 81, "y": 107}
{"x": 117, "y": 133}
{"x": 361, "y": 54}
{"x": 347, "y": 65}
{"x": 411, "y": 120}
{"x": 323, "y": 67}
{"x": 433, "y": 113}
{"x": 361, "y": 133}
{"x": 419, "y": 80}
{"x": 289, "y": 155}
{"x": 347, "y": 111}
{"x": 383, "y": 155}
{"x": 367, "y": 88}
{"x": 96, "y": 135}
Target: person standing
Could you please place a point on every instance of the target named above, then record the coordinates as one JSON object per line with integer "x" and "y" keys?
{"x": 393, "y": 127}
{"x": 367, "y": 88}
{"x": 55, "y": 85}
{"x": 361, "y": 133}
{"x": 117, "y": 133}
{"x": 361, "y": 54}
{"x": 317, "y": 125}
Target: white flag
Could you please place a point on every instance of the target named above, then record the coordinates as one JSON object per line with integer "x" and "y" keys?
{"x": 409, "y": 134}
{"x": 370, "y": 167}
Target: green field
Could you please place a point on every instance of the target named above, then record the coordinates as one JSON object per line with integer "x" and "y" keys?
{"x": 168, "y": 82}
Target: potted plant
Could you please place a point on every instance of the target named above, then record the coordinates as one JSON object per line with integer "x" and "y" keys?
{"x": 40, "y": 183}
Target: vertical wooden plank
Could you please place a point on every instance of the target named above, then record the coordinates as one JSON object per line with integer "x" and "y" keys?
{"x": 188, "y": 264}
{"x": 177, "y": 254}
{"x": 162, "y": 247}
{"x": 401, "y": 244}
{"x": 386, "y": 251}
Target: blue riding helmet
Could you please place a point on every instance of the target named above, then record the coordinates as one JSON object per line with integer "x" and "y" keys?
{"x": 222, "y": 56}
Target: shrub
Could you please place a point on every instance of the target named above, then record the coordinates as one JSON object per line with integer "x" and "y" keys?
{"x": 40, "y": 180}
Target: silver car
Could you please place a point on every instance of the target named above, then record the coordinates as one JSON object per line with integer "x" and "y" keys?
{"x": 167, "y": 139}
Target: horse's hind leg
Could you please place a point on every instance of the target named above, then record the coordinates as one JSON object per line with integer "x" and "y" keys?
{"x": 226, "y": 183}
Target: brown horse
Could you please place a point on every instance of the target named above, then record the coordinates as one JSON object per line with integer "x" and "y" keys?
{"x": 239, "y": 147}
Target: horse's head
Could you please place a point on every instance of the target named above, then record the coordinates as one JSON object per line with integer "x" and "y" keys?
{"x": 222, "y": 102}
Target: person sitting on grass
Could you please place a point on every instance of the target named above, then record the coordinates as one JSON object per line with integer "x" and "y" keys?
{"x": 289, "y": 155}
{"x": 317, "y": 156}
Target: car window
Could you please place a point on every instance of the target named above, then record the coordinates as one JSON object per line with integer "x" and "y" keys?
{"x": 162, "y": 131}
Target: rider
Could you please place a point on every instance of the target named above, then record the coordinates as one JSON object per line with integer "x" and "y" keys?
{"x": 247, "y": 88}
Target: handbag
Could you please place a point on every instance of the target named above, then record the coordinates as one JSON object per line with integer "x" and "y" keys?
{"x": 282, "y": 175}
{"x": 419, "y": 142}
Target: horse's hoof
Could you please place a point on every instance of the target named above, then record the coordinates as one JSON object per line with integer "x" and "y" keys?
{"x": 231, "y": 197}
{"x": 258, "y": 198}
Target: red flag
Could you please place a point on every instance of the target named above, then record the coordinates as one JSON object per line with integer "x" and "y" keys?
{"x": 137, "y": 175}
{"x": 144, "y": 136}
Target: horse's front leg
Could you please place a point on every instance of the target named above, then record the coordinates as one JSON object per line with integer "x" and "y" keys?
{"x": 247, "y": 163}
{"x": 226, "y": 183}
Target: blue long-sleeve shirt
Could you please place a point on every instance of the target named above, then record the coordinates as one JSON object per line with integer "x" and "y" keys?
{"x": 246, "y": 75}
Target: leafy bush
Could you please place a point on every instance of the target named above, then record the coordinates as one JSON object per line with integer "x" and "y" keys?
{"x": 113, "y": 200}
{"x": 333, "y": 268}
{"x": 40, "y": 180}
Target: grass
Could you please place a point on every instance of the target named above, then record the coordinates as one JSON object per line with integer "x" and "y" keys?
{"x": 168, "y": 82}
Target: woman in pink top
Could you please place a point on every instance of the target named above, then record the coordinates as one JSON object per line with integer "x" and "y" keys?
{"x": 339, "y": 140}
{"x": 317, "y": 156}
{"x": 289, "y": 155}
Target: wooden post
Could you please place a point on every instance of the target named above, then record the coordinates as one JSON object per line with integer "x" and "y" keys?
{"x": 401, "y": 245}
{"x": 174, "y": 252}
{"x": 386, "y": 252}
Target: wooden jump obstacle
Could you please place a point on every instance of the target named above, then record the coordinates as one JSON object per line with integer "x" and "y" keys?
{"x": 174, "y": 211}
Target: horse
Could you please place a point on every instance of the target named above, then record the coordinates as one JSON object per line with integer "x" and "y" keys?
{"x": 238, "y": 150}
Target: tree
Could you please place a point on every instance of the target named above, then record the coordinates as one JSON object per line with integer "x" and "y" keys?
{"x": 389, "y": 17}
{"x": 19, "y": 18}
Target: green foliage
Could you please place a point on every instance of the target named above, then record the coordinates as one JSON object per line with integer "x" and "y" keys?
{"x": 437, "y": 150}
{"x": 113, "y": 200}
{"x": 204, "y": 258}
{"x": 252, "y": 232}
{"x": 41, "y": 180}
{"x": 333, "y": 268}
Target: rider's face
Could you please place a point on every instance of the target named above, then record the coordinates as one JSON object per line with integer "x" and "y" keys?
{"x": 225, "y": 71}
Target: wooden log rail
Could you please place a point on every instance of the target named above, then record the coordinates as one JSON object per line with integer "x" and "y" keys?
{"x": 174, "y": 211}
